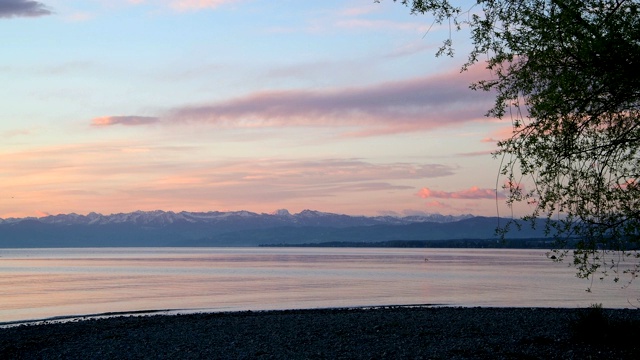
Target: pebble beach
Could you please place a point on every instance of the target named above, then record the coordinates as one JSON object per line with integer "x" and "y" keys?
{"x": 360, "y": 333}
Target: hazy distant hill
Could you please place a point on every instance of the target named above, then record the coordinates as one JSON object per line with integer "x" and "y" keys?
{"x": 241, "y": 228}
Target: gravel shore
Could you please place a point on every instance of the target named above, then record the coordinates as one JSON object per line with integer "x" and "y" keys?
{"x": 379, "y": 333}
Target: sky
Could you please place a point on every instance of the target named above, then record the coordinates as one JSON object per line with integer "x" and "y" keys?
{"x": 115, "y": 106}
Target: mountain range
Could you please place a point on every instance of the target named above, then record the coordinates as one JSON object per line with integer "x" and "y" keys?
{"x": 238, "y": 228}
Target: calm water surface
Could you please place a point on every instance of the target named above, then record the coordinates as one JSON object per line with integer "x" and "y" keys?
{"x": 43, "y": 283}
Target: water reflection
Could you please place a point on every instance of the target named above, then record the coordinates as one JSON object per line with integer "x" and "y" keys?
{"x": 40, "y": 283}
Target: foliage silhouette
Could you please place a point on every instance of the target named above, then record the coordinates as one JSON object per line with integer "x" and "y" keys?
{"x": 565, "y": 73}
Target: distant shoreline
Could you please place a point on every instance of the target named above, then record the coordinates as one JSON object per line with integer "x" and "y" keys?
{"x": 471, "y": 243}
{"x": 532, "y": 243}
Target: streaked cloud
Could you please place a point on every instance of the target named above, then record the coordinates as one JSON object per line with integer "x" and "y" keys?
{"x": 396, "y": 107}
{"x": 342, "y": 119}
{"x": 359, "y": 18}
{"x": 22, "y": 8}
{"x": 124, "y": 120}
{"x": 199, "y": 4}
{"x": 17, "y": 132}
{"x": 393, "y": 107}
{"x": 295, "y": 184}
{"x": 380, "y": 25}
{"x": 186, "y": 5}
{"x": 131, "y": 175}
{"x": 364, "y": 18}
{"x": 360, "y": 10}
{"x": 471, "y": 193}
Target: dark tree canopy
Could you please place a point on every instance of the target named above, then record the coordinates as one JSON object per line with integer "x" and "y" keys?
{"x": 566, "y": 73}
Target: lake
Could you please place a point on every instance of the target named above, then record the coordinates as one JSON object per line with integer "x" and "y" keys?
{"x": 45, "y": 283}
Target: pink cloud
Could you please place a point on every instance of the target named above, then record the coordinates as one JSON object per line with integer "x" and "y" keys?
{"x": 185, "y": 5}
{"x": 489, "y": 140}
{"x": 393, "y": 107}
{"x": 501, "y": 134}
{"x": 405, "y": 106}
{"x": 473, "y": 193}
{"x": 199, "y": 4}
{"x": 42, "y": 213}
{"x": 123, "y": 120}
{"x": 129, "y": 175}
{"x": 360, "y": 10}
